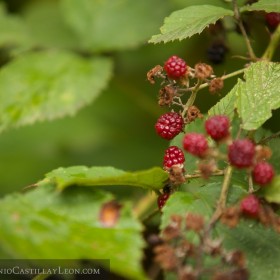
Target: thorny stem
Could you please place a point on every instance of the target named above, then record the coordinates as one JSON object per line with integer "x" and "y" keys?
{"x": 274, "y": 41}
{"x": 243, "y": 31}
{"x": 268, "y": 138}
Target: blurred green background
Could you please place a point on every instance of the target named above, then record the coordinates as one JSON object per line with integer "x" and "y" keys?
{"x": 117, "y": 129}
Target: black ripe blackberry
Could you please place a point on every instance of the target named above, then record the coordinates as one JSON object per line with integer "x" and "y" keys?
{"x": 216, "y": 53}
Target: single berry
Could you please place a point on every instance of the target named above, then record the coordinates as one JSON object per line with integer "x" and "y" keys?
{"x": 169, "y": 125}
{"x": 175, "y": 67}
{"x": 216, "y": 53}
{"x": 217, "y": 127}
{"x": 173, "y": 155}
{"x": 250, "y": 206}
{"x": 263, "y": 173}
{"x": 162, "y": 200}
{"x": 195, "y": 143}
{"x": 272, "y": 19}
{"x": 241, "y": 153}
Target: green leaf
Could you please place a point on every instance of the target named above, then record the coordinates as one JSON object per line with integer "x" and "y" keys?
{"x": 44, "y": 224}
{"x": 260, "y": 245}
{"x": 152, "y": 179}
{"x": 187, "y": 3}
{"x": 259, "y": 94}
{"x": 225, "y": 106}
{"x": 272, "y": 192}
{"x": 12, "y": 29}
{"x": 253, "y": 98}
{"x": 113, "y": 25}
{"x": 192, "y": 20}
{"x": 48, "y": 85}
{"x": 263, "y": 5}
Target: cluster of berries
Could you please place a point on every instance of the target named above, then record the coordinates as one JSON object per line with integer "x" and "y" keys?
{"x": 186, "y": 258}
{"x": 241, "y": 154}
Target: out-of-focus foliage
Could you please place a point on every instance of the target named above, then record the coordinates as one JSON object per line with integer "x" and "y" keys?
{"x": 68, "y": 226}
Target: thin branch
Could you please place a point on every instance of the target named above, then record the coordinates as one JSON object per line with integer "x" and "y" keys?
{"x": 221, "y": 205}
{"x": 199, "y": 175}
{"x": 250, "y": 181}
{"x": 192, "y": 98}
{"x": 243, "y": 31}
{"x": 230, "y": 75}
{"x": 268, "y": 138}
{"x": 273, "y": 44}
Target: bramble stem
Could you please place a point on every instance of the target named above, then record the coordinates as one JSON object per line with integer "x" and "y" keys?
{"x": 243, "y": 31}
{"x": 191, "y": 99}
{"x": 193, "y": 176}
{"x": 221, "y": 205}
{"x": 274, "y": 41}
{"x": 230, "y": 75}
{"x": 268, "y": 138}
{"x": 250, "y": 180}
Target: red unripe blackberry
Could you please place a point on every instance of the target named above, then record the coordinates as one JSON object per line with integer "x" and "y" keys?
{"x": 250, "y": 206}
{"x": 162, "y": 200}
{"x": 272, "y": 19}
{"x": 173, "y": 155}
{"x": 241, "y": 153}
{"x": 263, "y": 173}
{"x": 175, "y": 67}
{"x": 195, "y": 143}
{"x": 217, "y": 127}
{"x": 169, "y": 125}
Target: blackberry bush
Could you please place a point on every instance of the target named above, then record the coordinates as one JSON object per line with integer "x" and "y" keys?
{"x": 219, "y": 111}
